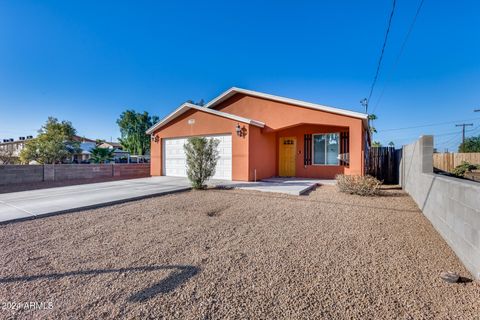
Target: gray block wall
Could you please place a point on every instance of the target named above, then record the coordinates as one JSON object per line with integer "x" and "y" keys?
{"x": 18, "y": 174}
{"x": 452, "y": 205}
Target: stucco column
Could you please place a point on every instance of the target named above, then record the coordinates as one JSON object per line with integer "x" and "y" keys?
{"x": 356, "y": 148}
{"x": 156, "y": 157}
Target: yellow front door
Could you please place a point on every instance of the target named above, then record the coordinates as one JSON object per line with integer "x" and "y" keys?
{"x": 286, "y": 156}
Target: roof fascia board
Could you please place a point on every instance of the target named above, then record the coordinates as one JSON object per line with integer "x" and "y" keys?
{"x": 229, "y": 93}
{"x": 187, "y": 106}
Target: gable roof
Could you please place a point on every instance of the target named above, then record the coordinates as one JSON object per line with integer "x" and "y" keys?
{"x": 187, "y": 106}
{"x": 82, "y": 139}
{"x": 232, "y": 91}
{"x": 110, "y": 144}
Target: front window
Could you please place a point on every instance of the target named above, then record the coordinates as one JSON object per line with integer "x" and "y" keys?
{"x": 325, "y": 148}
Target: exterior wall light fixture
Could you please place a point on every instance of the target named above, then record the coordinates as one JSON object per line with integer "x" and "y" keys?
{"x": 239, "y": 130}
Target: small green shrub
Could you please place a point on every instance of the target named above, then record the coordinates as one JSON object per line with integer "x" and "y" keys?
{"x": 465, "y": 167}
{"x": 202, "y": 156}
{"x": 360, "y": 185}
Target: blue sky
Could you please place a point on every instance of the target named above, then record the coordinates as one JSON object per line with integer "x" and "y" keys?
{"x": 87, "y": 61}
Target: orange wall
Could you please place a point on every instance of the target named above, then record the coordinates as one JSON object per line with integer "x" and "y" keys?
{"x": 311, "y": 171}
{"x": 279, "y": 116}
{"x": 258, "y": 151}
{"x": 262, "y": 155}
{"x": 205, "y": 124}
{"x": 155, "y": 158}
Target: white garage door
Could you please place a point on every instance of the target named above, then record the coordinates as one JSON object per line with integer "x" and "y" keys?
{"x": 175, "y": 164}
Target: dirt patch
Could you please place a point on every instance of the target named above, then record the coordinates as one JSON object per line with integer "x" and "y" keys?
{"x": 219, "y": 254}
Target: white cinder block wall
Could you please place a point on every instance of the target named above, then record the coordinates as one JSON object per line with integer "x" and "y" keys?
{"x": 452, "y": 205}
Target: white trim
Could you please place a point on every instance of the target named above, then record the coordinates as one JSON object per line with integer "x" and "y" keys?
{"x": 230, "y": 92}
{"x": 313, "y": 150}
{"x": 187, "y": 106}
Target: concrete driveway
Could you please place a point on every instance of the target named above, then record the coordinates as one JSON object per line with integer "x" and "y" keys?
{"x": 29, "y": 204}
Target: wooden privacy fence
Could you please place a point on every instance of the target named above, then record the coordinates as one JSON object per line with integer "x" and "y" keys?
{"x": 383, "y": 163}
{"x": 448, "y": 161}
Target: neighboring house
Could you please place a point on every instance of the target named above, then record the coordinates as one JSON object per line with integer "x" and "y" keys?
{"x": 140, "y": 159}
{"x": 263, "y": 135}
{"x": 86, "y": 146}
{"x": 120, "y": 155}
{"x": 13, "y": 147}
{"x": 111, "y": 145}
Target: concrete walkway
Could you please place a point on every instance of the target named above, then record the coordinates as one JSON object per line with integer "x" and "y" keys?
{"x": 292, "y": 186}
{"x": 29, "y": 204}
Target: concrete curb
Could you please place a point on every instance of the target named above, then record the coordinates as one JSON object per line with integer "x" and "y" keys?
{"x": 308, "y": 189}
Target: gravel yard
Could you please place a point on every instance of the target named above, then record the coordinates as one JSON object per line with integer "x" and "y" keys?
{"x": 221, "y": 254}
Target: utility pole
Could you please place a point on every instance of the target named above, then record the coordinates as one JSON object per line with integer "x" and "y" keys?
{"x": 364, "y": 103}
{"x": 463, "y": 125}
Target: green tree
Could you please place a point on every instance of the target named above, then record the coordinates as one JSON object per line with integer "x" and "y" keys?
{"x": 202, "y": 156}
{"x": 53, "y": 144}
{"x": 102, "y": 155}
{"x": 132, "y": 128}
{"x": 200, "y": 102}
{"x": 372, "y": 117}
{"x": 376, "y": 144}
{"x": 471, "y": 144}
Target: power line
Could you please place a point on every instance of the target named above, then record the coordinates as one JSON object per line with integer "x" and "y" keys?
{"x": 447, "y": 139}
{"x": 438, "y": 137}
{"x": 452, "y": 142}
{"x": 452, "y": 147}
{"x": 476, "y": 129}
{"x": 445, "y": 134}
{"x": 448, "y": 142}
{"x": 427, "y": 125}
{"x": 381, "y": 53}
{"x": 450, "y": 137}
{"x": 463, "y": 125}
{"x": 456, "y": 140}
{"x": 402, "y": 48}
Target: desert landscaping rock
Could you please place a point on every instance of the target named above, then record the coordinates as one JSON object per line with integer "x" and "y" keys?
{"x": 228, "y": 254}
{"x": 449, "y": 276}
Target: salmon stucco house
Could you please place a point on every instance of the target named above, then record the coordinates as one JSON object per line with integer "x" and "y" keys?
{"x": 262, "y": 136}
